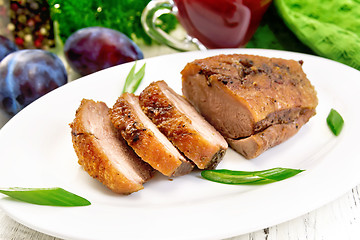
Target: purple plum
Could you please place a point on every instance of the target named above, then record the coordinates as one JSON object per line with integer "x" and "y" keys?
{"x": 6, "y": 47}
{"x": 26, "y": 75}
{"x": 95, "y": 48}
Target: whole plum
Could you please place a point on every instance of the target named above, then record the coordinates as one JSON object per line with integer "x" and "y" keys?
{"x": 6, "y": 47}
{"x": 95, "y": 48}
{"x": 26, "y": 75}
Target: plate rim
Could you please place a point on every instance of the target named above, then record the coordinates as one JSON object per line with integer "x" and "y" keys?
{"x": 247, "y": 51}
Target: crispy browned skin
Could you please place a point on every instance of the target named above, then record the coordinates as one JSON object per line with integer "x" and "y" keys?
{"x": 183, "y": 125}
{"x": 103, "y": 153}
{"x": 243, "y": 95}
{"x": 144, "y": 137}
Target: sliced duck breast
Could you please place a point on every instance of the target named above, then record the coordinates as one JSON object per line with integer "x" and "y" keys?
{"x": 102, "y": 151}
{"x": 144, "y": 137}
{"x": 179, "y": 121}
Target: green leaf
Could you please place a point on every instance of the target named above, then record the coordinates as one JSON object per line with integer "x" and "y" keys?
{"x": 253, "y": 177}
{"x": 335, "y": 122}
{"x": 46, "y": 196}
{"x": 133, "y": 79}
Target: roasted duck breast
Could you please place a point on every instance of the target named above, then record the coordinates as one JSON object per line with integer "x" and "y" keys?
{"x": 254, "y": 102}
{"x": 179, "y": 121}
{"x": 144, "y": 137}
{"x": 102, "y": 151}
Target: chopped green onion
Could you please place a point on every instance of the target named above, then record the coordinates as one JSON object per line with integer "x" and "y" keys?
{"x": 253, "y": 177}
{"x": 133, "y": 79}
{"x": 335, "y": 122}
{"x": 46, "y": 196}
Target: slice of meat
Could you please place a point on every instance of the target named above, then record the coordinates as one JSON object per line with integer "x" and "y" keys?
{"x": 103, "y": 153}
{"x": 243, "y": 95}
{"x": 144, "y": 137}
{"x": 183, "y": 125}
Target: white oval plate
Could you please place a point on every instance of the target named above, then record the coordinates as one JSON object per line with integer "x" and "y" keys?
{"x": 36, "y": 151}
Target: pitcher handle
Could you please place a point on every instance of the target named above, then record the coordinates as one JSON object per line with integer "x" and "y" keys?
{"x": 152, "y": 12}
